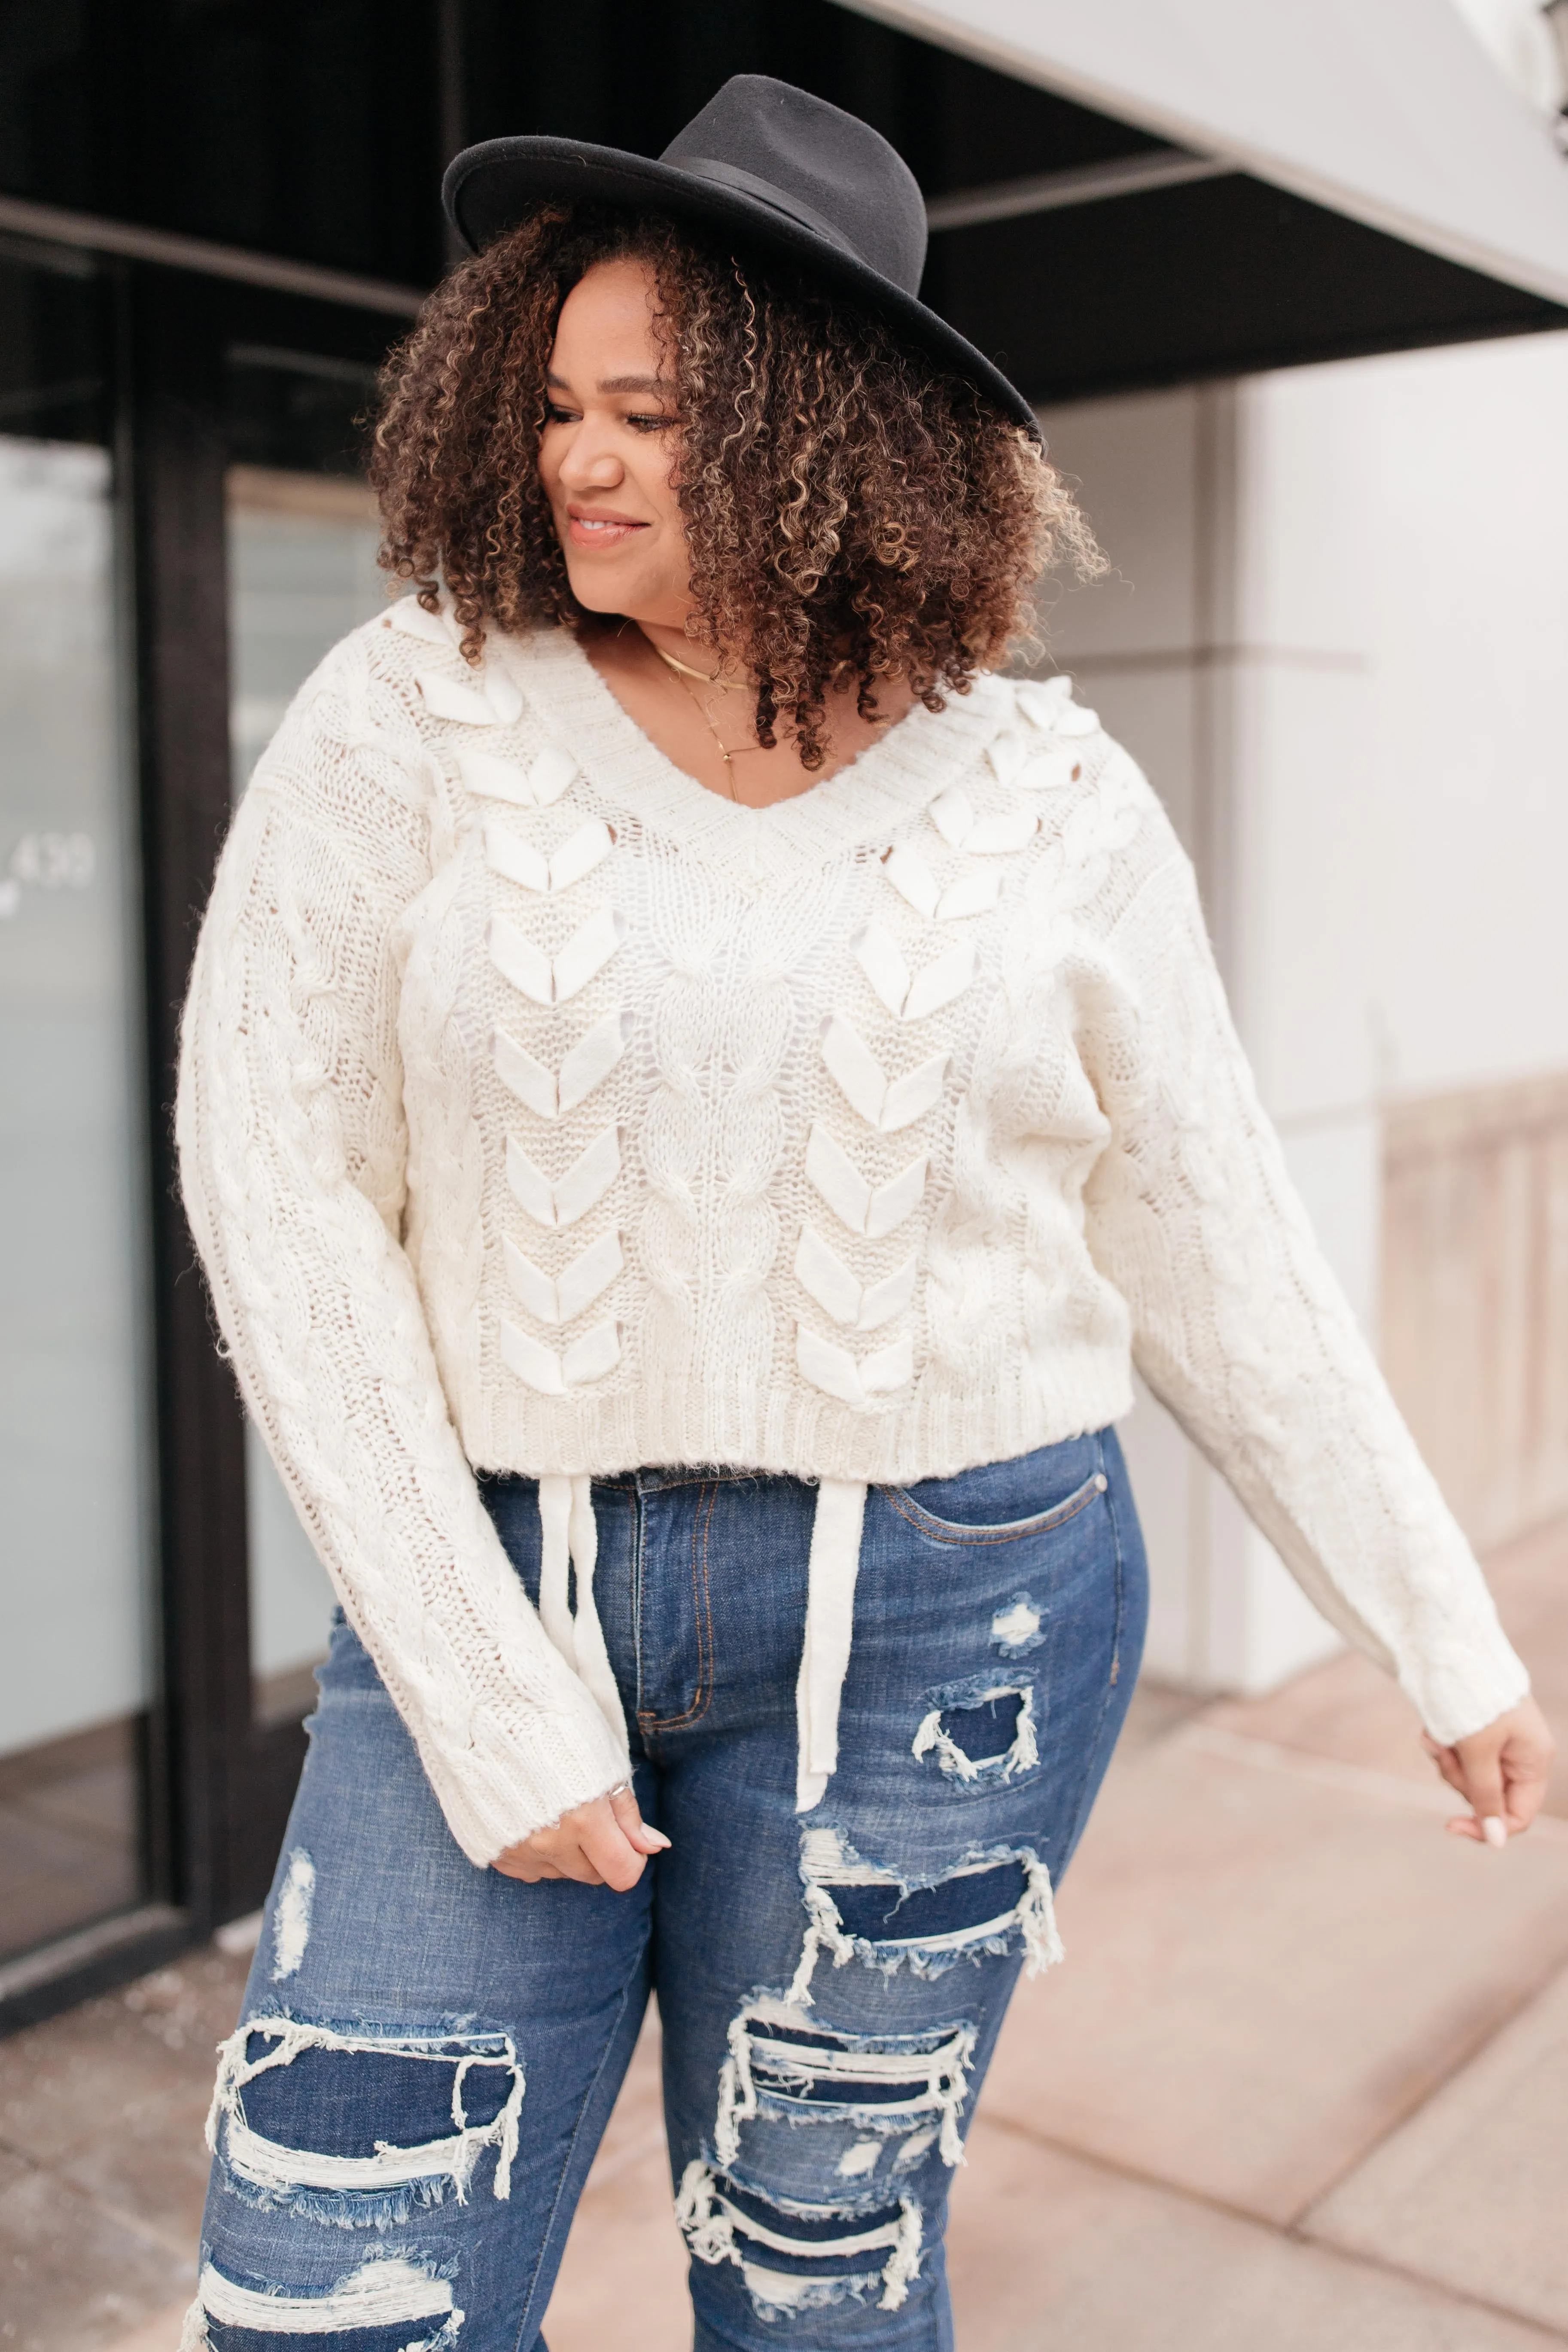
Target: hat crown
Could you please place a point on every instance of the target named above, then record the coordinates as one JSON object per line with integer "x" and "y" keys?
{"x": 829, "y": 167}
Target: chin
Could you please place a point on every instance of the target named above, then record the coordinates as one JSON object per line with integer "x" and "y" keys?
{"x": 598, "y": 593}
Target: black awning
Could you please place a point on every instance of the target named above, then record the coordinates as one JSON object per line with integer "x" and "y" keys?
{"x": 1223, "y": 185}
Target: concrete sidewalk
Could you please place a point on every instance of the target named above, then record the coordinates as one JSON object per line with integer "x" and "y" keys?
{"x": 1302, "y": 2083}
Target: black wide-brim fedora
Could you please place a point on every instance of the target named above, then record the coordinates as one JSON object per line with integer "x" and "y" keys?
{"x": 786, "y": 171}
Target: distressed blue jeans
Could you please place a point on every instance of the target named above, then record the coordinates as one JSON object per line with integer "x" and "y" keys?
{"x": 428, "y": 2052}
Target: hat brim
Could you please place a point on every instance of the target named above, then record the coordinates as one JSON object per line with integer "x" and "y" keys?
{"x": 488, "y": 189}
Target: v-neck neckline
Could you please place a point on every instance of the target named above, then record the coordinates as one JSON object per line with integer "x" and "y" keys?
{"x": 864, "y": 801}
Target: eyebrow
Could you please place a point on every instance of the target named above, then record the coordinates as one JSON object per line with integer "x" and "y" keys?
{"x": 655, "y": 384}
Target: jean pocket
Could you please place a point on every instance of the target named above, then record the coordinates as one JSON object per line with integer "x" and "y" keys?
{"x": 997, "y": 1531}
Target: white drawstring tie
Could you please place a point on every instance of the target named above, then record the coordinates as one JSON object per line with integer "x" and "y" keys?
{"x": 569, "y": 1539}
{"x": 829, "y": 1629}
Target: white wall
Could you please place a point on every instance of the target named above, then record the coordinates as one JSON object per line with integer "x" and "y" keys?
{"x": 1415, "y": 509}
{"x": 1335, "y": 636}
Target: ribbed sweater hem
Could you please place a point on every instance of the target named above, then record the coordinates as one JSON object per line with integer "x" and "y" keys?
{"x": 941, "y": 1432}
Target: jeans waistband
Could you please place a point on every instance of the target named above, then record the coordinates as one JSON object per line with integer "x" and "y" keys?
{"x": 686, "y": 1473}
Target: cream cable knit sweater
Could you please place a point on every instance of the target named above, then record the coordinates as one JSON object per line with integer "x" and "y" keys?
{"x": 542, "y": 1111}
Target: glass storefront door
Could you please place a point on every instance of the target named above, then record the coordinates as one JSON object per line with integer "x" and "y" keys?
{"x": 75, "y": 1660}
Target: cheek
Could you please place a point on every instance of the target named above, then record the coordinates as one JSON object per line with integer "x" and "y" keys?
{"x": 654, "y": 472}
{"x": 651, "y": 461}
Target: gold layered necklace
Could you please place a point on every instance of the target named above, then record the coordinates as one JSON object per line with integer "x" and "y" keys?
{"x": 680, "y": 672}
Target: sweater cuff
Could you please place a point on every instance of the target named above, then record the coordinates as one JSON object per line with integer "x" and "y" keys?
{"x": 1466, "y": 1686}
{"x": 494, "y": 1799}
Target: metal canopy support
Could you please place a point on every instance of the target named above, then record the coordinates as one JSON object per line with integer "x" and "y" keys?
{"x": 1130, "y": 175}
{"x": 91, "y": 233}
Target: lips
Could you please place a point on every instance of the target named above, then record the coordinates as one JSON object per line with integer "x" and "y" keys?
{"x": 592, "y": 528}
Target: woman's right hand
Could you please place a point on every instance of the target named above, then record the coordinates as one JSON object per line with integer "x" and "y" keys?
{"x": 603, "y": 1844}
{"x": 1500, "y": 1772}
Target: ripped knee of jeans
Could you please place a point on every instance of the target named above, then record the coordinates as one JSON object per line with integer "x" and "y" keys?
{"x": 384, "y": 2293}
{"x": 992, "y": 1901}
{"x": 819, "y": 2141}
{"x": 795, "y": 2256}
{"x": 865, "y": 2091}
{"x": 356, "y": 2126}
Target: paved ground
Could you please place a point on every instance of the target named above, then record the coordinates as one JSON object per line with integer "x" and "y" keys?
{"x": 1302, "y": 2083}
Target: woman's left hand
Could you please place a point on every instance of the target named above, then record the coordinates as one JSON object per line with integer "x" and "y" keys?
{"x": 601, "y": 1844}
{"x": 1500, "y": 1772}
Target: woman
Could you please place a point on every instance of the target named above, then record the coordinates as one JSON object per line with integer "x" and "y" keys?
{"x": 696, "y": 1089}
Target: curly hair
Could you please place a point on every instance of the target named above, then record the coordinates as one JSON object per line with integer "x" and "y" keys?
{"x": 852, "y": 514}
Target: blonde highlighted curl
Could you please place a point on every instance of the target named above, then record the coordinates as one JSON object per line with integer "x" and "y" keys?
{"x": 852, "y": 513}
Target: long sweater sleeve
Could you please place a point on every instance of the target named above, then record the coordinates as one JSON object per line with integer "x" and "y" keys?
{"x": 1240, "y": 1328}
{"x": 293, "y": 1150}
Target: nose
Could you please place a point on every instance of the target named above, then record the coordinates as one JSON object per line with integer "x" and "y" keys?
{"x": 591, "y": 461}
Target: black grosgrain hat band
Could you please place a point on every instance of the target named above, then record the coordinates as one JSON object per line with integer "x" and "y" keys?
{"x": 773, "y": 168}
{"x": 730, "y": 175}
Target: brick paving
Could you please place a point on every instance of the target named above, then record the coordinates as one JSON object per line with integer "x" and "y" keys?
{"x": 1301, "y": 2083}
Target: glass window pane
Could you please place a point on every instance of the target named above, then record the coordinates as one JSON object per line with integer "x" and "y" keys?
{"x": 75, "y": 1678}
{"x": 302, "y": 536}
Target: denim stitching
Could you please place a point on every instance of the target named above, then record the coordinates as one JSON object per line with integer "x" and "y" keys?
{"x": 951, "y": 1531}
{"x": 635, "y": 1502}
{"x": 1092, "y": 1747}
{"x": 703, "y": 1610}
{"x": 714, "y": 1474}
{"x": 522, "y": 2337}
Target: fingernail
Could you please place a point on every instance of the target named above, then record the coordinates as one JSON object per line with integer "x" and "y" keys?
{"x": 657, "y": 1838}
{"x": 1494, "y": 1831}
